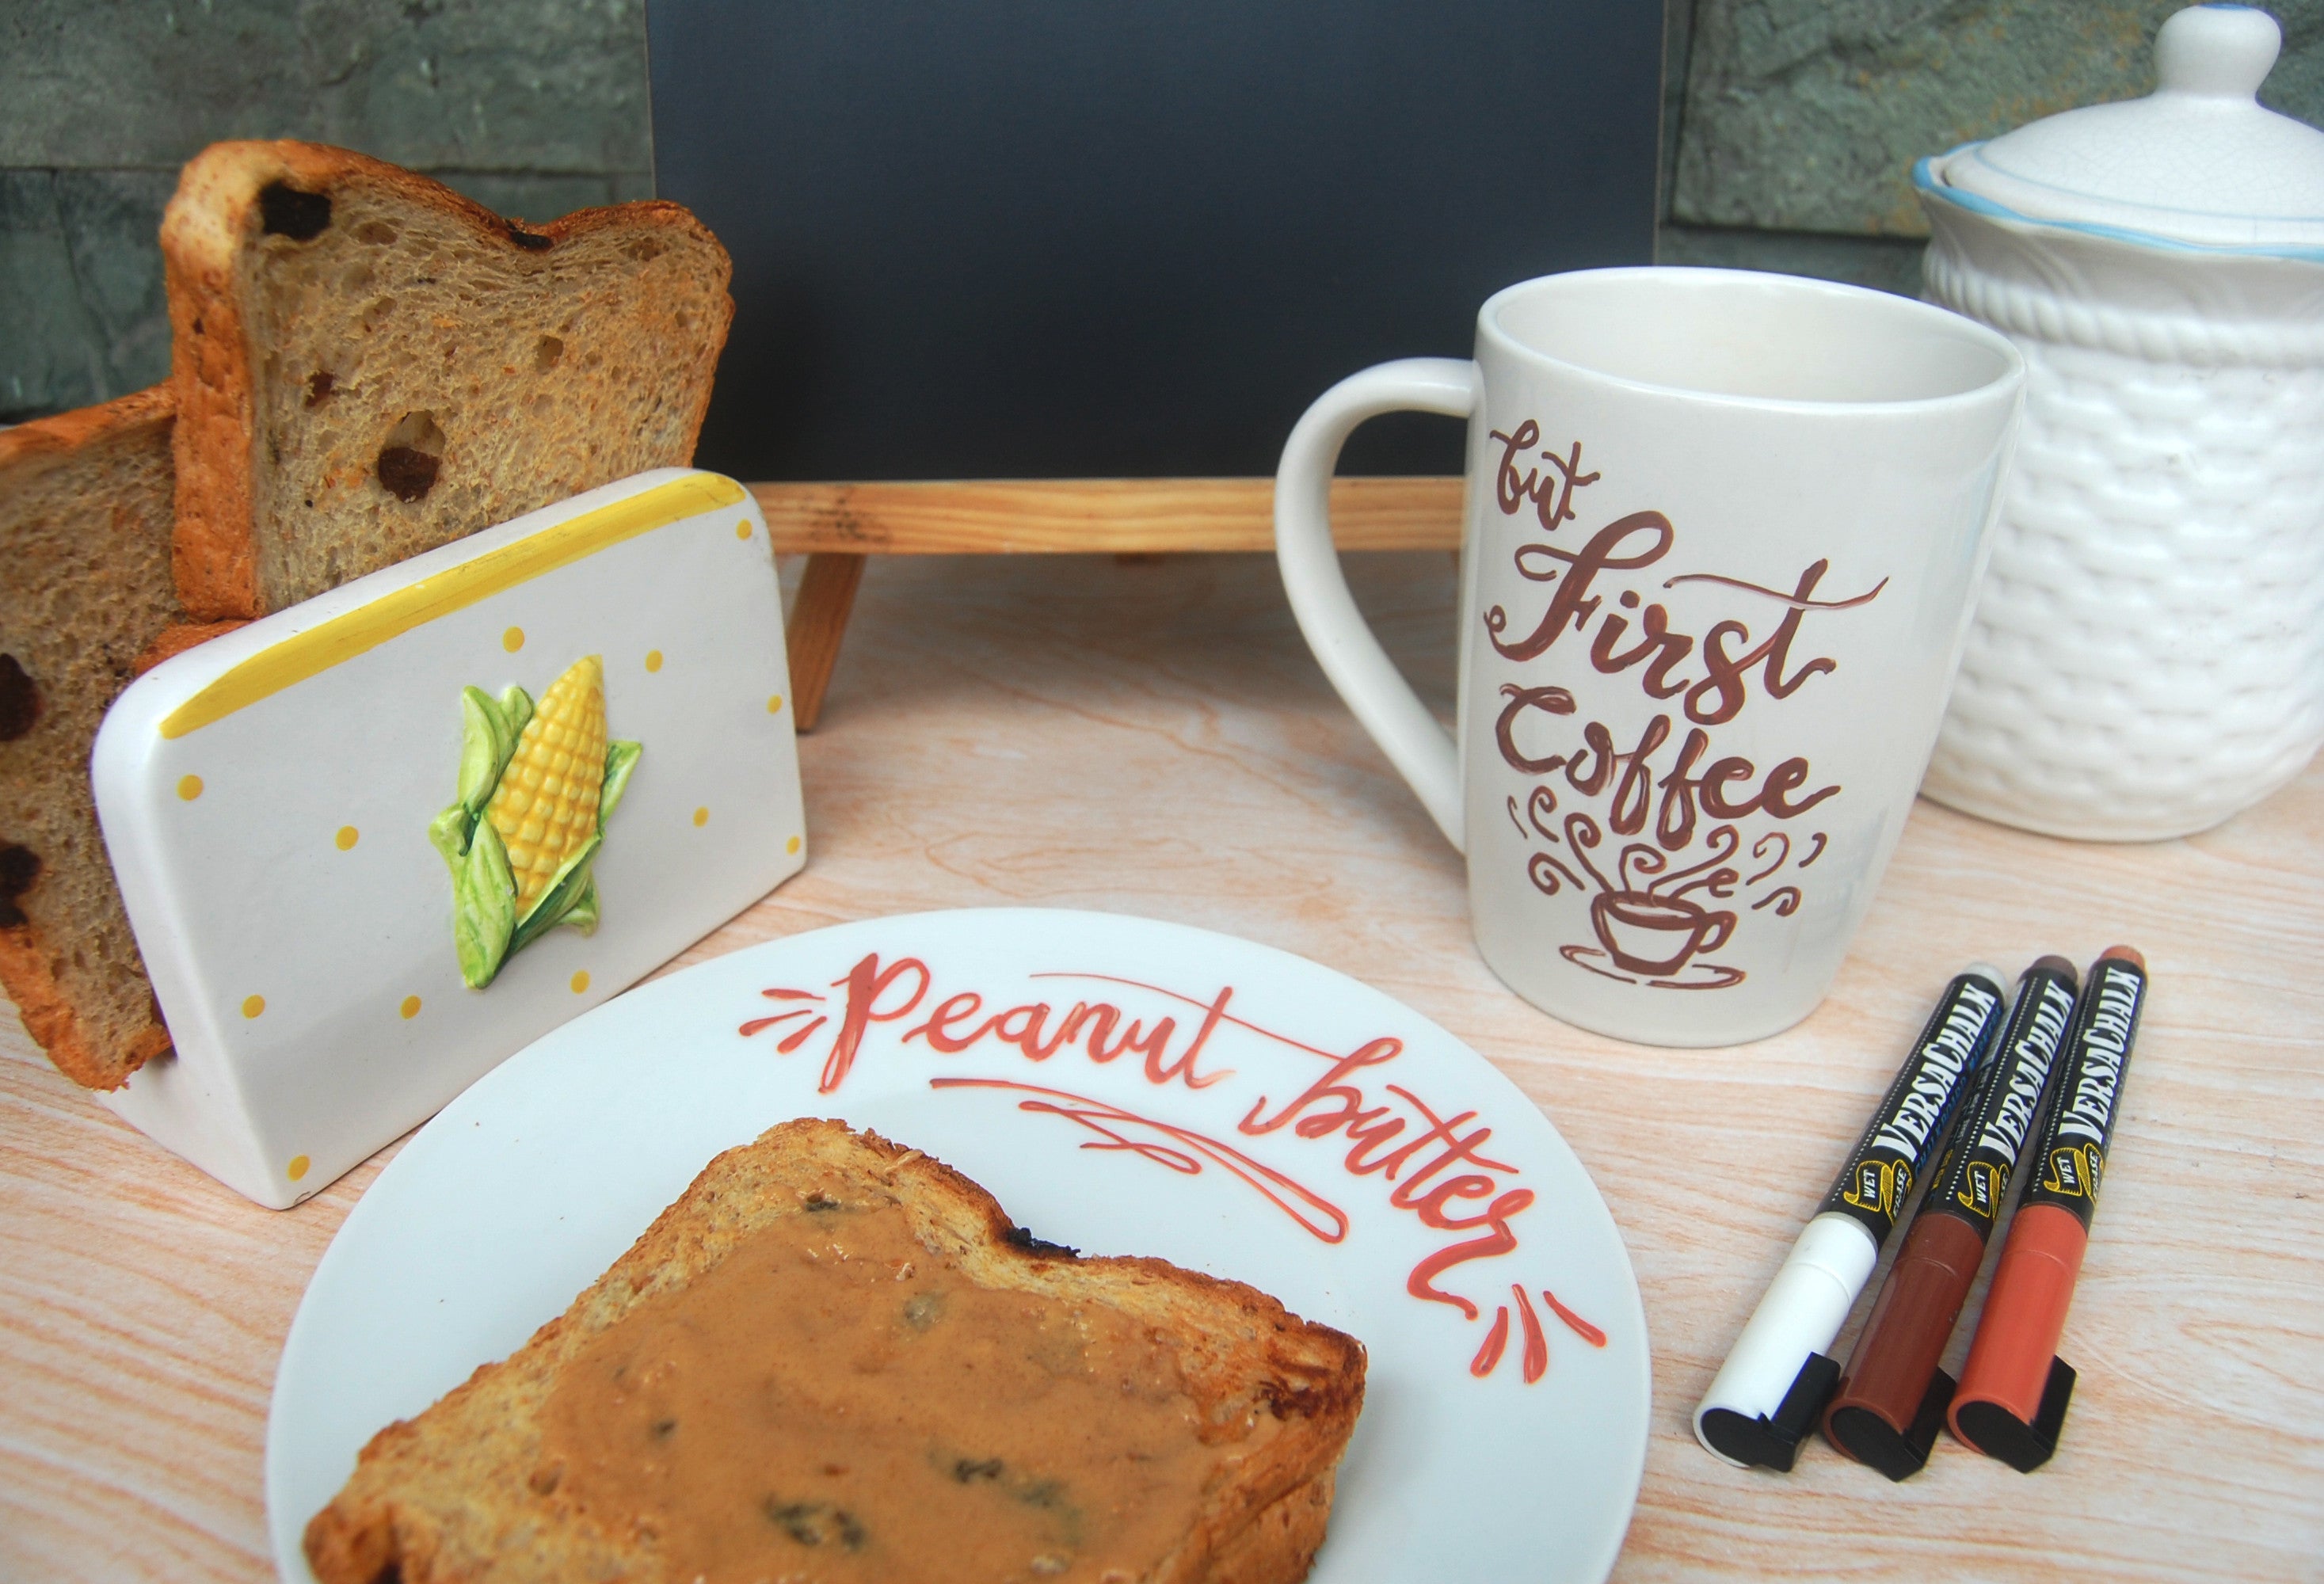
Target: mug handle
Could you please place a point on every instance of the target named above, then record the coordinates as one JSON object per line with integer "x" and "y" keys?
{"x": 1367, "y": 680}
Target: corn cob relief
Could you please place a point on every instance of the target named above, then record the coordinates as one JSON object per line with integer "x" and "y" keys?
{"x": 536, "y": 788}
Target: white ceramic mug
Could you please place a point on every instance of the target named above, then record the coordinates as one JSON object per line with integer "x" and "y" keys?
{"x": 1723, "y": 529}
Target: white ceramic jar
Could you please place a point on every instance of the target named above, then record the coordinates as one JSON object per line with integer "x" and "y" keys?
{"x": 2148, "y": 652}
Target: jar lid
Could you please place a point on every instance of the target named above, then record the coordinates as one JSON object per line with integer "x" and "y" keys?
{"x": 2198, "y": 160}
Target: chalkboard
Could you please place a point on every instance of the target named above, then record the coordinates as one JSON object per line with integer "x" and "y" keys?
{"x": 1129, "y": 238}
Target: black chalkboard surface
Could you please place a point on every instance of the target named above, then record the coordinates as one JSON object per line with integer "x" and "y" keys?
{"x": 1129, "y": 238}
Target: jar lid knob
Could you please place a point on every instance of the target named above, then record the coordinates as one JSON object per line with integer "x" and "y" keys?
{"x": 2217, "y": 51}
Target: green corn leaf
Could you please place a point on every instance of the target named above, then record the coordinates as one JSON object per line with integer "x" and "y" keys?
{"x": 564, "y": 891}
{"x": 567, "y": 882}
{"x": 584, "y": 914}
{"x": 516, "y": 709}
{"x": 485, "y": 744}
{"x": 620, "y": 759}
{"x": 448, "y": 833}
{"x": 484, "y": 908}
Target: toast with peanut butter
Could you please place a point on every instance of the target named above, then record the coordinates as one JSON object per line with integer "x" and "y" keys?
{"x": 834, "y": 1358}
{"x": 368, "y": 366}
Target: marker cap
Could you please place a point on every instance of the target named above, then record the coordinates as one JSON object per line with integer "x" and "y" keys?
{"x": 1893, "y": 1397}
{"x": 1766, "y": 1397}
{"x": 2013, "y": 1390}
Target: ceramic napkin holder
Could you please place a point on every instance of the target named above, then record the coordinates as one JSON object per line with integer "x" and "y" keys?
{"x": 375, "y": 844}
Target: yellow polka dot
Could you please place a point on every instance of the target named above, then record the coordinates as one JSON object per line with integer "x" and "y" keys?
{"x": 348, "y": 837}
{"x": 653, "y": 659}
{"x": 580, "y": 981}
{"x": 190, "y": 788}
{"x": 701, "y": 817}
{"x": 411, "y": 1007}
{"x": 251, "y": 1006}
{"x": 297, "y": 1168}
{"x": 774, "y": 703}
{"x": 742, "y": 529}
{"x": 792, "y": 845}
{"x": 512, "y": 640}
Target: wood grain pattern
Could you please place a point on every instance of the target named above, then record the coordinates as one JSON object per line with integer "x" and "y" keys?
{"x": 1153, "y": 738}
{"x": 817, "y": 626}
{"x": 1124, "y": 516}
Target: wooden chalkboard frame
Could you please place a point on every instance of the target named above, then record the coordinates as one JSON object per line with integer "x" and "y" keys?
{"x": 837, "y": 525}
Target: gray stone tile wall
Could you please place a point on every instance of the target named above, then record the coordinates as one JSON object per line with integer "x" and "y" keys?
{"x": 1795, "y": 124}
{"x": 81, "y": 314}
{"x": 1789, "y": 126}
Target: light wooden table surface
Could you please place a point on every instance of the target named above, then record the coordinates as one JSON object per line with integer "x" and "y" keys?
{"x": 1152, "y": 738}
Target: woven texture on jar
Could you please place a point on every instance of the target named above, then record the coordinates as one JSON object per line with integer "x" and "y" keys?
{"x": 2148, "y": 653}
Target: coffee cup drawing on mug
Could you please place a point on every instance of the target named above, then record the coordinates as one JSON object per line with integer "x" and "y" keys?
{"x": 1653, "y": 935}
{"x": 1723, "y": 532}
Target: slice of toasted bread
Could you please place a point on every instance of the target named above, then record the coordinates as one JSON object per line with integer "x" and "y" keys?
{"x": 484, "y": 1485}
{"x": 368, "y": 366}
{"x": 84, "y": 589}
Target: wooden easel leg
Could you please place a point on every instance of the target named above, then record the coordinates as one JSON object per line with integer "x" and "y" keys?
{"x": 818, "y": 622}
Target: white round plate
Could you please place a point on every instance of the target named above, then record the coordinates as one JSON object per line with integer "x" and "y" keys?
{"x": 1215, "y": 1133}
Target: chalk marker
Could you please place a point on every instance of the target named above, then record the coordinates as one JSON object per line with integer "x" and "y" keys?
{"x": 1776, "y": 1380}
{"x": 2014, "y": 1388}
{"x": 1894, "y": 1396}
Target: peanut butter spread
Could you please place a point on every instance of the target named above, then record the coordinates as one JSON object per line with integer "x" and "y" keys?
{"x": 833, "y": 1402}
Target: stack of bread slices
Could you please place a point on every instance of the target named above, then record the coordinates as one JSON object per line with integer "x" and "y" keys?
{"x": 365, "y": 365}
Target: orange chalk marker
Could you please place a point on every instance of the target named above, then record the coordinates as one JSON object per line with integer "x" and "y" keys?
{"x": 2013, "y": 1391}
